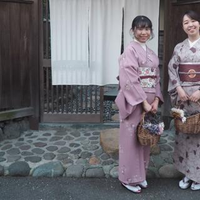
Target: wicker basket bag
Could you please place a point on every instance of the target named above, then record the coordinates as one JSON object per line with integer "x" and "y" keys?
{"x": 144, "y": 136}
{"x": 190, "y": 126}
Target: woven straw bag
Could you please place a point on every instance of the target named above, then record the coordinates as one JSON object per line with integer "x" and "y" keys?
{"x": 144, "y": 136}
{"x": 190, "y": 126}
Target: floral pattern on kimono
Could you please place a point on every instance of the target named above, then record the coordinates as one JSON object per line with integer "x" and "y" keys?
{"x": 187, "y": 147}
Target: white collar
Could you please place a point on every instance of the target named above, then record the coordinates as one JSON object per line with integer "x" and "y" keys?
{"x": 193, "y": 43}
{"x": 143, "y": 45}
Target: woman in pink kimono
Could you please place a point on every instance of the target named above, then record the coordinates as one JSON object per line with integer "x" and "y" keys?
{"x": 139, "y": 90}
{"x": 184, "y": 85}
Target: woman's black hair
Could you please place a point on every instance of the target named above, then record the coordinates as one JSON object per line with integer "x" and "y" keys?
{"x": 192, "y": 15}
{"x": 141, "y": 22}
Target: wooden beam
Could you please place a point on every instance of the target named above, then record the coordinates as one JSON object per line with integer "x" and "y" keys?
{"x": 16, "y": 113}
{"x": 17, "y": 1}
{"x": 71, "y": 118}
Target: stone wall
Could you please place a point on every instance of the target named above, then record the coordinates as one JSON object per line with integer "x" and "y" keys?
{"x": 12, "y": 129}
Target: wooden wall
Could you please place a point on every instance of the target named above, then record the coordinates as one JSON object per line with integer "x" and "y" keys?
{"x": 20, "y": 55}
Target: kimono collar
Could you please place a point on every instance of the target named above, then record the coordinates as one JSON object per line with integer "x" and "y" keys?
{"x": 193, "y": 43}
{"x": 143, "y": 45}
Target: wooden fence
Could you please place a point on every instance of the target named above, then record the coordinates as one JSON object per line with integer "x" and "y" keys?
{"x": 19, "y": 59}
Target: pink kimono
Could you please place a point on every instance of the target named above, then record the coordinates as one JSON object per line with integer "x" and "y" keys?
{"x": 139, "y": 80}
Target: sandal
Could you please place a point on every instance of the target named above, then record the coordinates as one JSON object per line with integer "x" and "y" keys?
{"x": 185, "y": 183}
{"x": 195, "y": 186}
{"x": 135, "y": 189}
{"x": 143, "y": 184}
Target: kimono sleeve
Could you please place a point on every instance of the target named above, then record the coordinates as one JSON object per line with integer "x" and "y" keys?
{"x": 129, "y": 78}
{"x": 173, "y": 66}
{"x": 158, "y": 90}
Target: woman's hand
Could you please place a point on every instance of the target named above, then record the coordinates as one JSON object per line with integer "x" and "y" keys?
{"x": 182, "y": 94}
{"x": 195, "y": 96}
{"x": 155, "y": 105}
{"x": 146, "y": 106}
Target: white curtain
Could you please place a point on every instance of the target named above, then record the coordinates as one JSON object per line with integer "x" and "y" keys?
{"x": 149, "y": 8}
{"x": 105, "y": 40}
{"x": 69, "y": 41}
{"x": 86, "y": 38}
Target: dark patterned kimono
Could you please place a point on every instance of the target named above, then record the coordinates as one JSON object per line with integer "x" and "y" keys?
{"x": 187, "y": 146}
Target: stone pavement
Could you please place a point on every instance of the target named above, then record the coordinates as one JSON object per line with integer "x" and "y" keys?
{"x": 75, "y": 151}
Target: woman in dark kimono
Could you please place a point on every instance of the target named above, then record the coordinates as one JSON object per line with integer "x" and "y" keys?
{"x": 184, "y": 85}
{"x": 139, "y": 90}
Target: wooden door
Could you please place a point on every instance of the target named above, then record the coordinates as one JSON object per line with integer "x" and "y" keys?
{"x": 174, "y": 9}
{"x": 20, "y": 57}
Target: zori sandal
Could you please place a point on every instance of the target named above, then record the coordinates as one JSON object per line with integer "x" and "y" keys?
{"x": 195, "y": 186}
{"x": 135, "y": 189}
{"x": 143, "y": 184}
{"x": 185, "y": 183}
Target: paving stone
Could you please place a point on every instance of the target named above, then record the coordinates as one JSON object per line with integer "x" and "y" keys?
{"x": 96, "y": 133}
{"x": 40, "y": 144}
{"x": 55, "y": 138}
{"x": 105, "y": 156}
{"x": 90, "y": 147}
{"x": 62, "y": 156}
{"x": 114, "y": 172}
{"x": 60, "y": 143}
{"x": 165, "y": 148}
{"x": 82, "y": 161}
{"x": 25, "y": 147}
{"x": 107, "y": 162}
{"x": 27, "y": 153}
{"x": 28, "y": 134}
{"x": 42, "y": 139}
{"x": 33, "y": 159}
{"x": 68, "y": 138}
{"x": 93, "y": 138}
{"x": 13, "y": 151}
{"x": 19, "y": 168}
{"x": 75, "y": 171}
{"x": 46, "y": 134}
{"x": 7, "y": 146}
{"x": 74, "y": 145}
{"x": 63, "y": 150}
{"x": 52, "y": 148}
{"x": 38, "y": 151}
{"x": 85, "y": 142}
{"x": 51, "y": 169}
{"x": 81, "y": 139}
{"x": 98, "y": 152}
{"x": 49, "y": 156}
{"x": 61, "y": 133}
{"x": 94, "y": 172}
{"x": 87, "y": 134}
{"x": 18, "y": 144}
{"x": 75, "y": 134}
{"x": 13, "y": 158}
{"x": 86, "y": 154}
{"x": 75, "y": 152}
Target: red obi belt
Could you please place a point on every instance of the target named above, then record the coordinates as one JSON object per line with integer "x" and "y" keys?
{"x": 189, "y": 72}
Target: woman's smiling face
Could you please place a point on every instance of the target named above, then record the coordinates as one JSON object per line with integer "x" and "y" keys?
{"x": 142, "y": 34}
{"x": 191, "y": 26}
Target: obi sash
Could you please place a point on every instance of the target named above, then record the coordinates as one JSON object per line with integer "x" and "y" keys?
{"x": 189, "y": 72}
{"x": 147, "y": 77}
